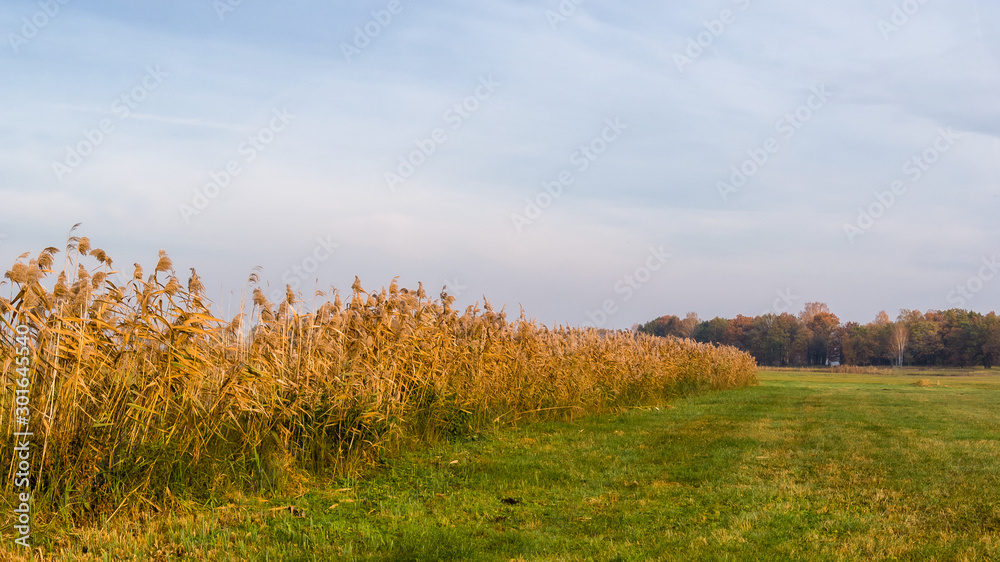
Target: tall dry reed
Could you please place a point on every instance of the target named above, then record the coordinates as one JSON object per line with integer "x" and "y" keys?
{"x": 140, "y": 394}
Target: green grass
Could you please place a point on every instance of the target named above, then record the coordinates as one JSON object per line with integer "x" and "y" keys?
{"x": 807, "y": 466}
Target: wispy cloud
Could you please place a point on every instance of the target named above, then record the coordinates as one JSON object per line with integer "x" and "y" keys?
{"x": 325, "y": 175}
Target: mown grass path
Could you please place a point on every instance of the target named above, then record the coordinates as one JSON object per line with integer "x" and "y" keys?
{"x": 806, "y": 466}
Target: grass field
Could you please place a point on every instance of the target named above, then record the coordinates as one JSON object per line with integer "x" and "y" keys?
{"x": 806, "y": 466}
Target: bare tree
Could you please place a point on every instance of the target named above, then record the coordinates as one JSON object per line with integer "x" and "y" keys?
{"x": 900, "y": 337}
{"x": 690, "y": 324}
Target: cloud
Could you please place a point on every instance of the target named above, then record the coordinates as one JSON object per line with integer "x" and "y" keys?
{"x": 657, "y": 185}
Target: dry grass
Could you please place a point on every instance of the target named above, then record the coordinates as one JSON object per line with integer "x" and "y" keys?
{"x": 856, "y": 370}
{"x": 141, "y": 396}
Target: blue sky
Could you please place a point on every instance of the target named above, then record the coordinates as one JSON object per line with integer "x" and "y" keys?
{"x": 326, "y": 140}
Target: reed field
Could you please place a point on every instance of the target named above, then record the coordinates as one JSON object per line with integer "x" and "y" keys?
{"x": 141, "y": 396}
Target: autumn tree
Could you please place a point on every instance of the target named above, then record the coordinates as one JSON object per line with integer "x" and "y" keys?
{"x": 664, "y": 326}
{"x": 855, "y": 344}
{"x": 822, "y": 323}
{"x": 739, "y": 331}
{"x": 959, "y": 335}
{"x": 781, "y": 337}
{"x": 925, "y": 338}
{"x": 881, "y": 319}
{"x": 881, "y": 334}
{"x": 990, "y": 339}
{"x": 811, "y": 310}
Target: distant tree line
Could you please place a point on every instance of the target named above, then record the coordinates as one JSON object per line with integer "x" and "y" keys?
{"x": 954, "y": 338}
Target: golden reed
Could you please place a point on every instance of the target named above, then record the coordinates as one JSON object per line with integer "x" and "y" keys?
{"x": 139, "y": 392}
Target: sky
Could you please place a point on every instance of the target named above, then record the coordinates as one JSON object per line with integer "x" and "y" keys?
{"x": 590, "y": 162}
